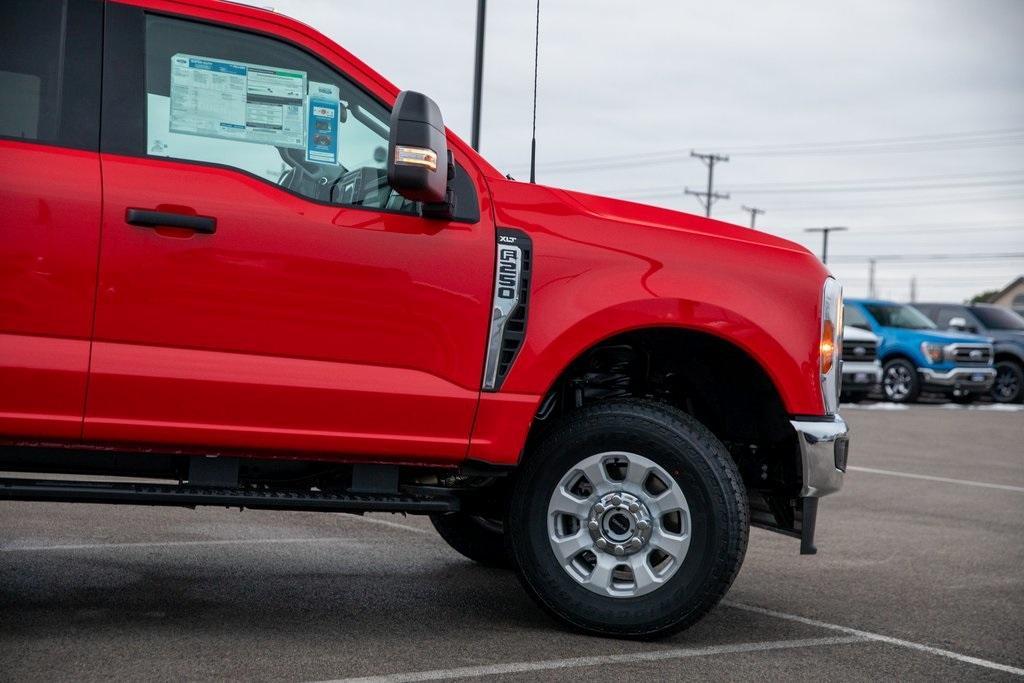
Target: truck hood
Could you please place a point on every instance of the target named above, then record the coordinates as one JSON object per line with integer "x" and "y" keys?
{"x": 936, "y": 336}
{"x": 632, "y": 213}
{"x": 857, "y": 334}
{"x": 1010, "y": 336}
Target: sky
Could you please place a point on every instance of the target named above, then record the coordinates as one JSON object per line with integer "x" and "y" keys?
{"x": 900, "y": 120}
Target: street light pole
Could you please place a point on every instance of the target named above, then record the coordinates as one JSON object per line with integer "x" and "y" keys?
{"x": 824, "y": 238}
{"x": 478, "y": 71}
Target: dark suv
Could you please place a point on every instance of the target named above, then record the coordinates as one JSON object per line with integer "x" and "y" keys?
{"x": 1004, "y": 326}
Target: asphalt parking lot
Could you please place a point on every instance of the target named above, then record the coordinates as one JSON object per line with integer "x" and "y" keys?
{"x": 919, "y": 576}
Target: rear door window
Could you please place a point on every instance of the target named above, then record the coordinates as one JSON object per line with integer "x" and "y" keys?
{"x": 50, "y": 71}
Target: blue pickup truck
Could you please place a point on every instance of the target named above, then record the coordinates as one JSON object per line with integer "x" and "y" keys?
{"x": 917, "y": 357}
{"x": 1006, "y": 329}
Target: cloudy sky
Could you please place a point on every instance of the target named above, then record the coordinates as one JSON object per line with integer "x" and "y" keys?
{"x": 901, "y": 119}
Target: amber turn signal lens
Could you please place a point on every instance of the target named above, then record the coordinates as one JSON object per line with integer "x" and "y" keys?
{"x": 415, "y": 156}
{"x": 828, "y": 346}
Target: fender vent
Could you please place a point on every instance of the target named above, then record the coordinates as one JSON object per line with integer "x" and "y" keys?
{"x": 510, "y": 305}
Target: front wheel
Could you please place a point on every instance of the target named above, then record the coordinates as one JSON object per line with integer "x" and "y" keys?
{"x": 899, "y": 381}
{"x": 1009, "y": 383}
{"x": 628, "y": 519}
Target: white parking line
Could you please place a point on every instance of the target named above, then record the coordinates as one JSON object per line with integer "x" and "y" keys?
{"x": 599, "y": 660}
{"x": 985, "y": 407}
{"x": 172, "y": 544}
{"x": 878, "y": 637}
{"x": 231, "y": 541}
{"x": 393, "y": 525}
{"x": 944, "y": 480}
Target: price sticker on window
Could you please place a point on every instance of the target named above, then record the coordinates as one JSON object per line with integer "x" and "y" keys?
{"x": 322, "y": 125}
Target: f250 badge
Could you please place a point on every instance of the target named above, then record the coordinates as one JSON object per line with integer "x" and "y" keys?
{"x": 511, "y": 259}
{"x": 509, "y": 265}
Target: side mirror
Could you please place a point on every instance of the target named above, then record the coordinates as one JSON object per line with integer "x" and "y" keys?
{"x": 957, "y": 323}
{"x": 418, "y": 159}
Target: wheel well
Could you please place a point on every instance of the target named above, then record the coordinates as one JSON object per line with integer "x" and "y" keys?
{"x": 711, "y": 379}
{"x": 1003, "y": 355}
{"x": 900, "y": 355}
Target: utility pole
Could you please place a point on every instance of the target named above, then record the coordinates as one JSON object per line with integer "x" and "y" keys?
{"x": 824, "y": 239}
{"x": 913, "y": 288}
{"x": 871, "y": 278}
{"x": 753, "y": 211}
{"x": 708, "y": 197}
{"x": 478, "y": 71}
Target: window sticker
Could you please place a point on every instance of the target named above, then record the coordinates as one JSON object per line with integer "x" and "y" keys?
{"x": 322, "y": 126}
{"x": 237, "y": 101}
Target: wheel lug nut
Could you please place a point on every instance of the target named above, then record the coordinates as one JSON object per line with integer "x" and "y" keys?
{"x": 619, "y": 550}
{"x": 599, "y": 509}
{"x": 615, "y": 500}
{"x": 593, "y": 525}
{"x": 635, "y": 543}
{"x": 634, "y": 507}
{"x": 601, "y": 543}
{"x": 643, "y": 525}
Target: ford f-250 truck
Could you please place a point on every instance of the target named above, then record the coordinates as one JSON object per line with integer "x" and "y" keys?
{"x": 236, "y": 259}
{"x": 917, "y": 357}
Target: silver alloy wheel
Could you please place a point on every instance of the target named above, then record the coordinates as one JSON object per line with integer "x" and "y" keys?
{"x": 619, "y": 524}
{"x": 897, "y": 382}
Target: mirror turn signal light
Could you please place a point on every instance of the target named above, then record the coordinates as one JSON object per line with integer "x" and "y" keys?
{"x": 415, "y": 156}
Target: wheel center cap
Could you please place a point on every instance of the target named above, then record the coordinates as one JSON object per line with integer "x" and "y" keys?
{"x": 619, "y": 523}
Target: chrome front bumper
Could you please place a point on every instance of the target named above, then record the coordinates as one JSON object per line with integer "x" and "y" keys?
{"x": 824, "y": 446}
{"x": 971, "y": 378}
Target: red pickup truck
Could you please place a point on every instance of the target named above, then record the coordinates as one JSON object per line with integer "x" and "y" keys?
{"x": 239, "y": 268}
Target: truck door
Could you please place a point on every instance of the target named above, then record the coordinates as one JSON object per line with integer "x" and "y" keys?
{"x": 260, "y": 286}
{"x": 49, "y": 212}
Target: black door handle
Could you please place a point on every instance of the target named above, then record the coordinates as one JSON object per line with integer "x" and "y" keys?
{"x": 145, "y": 218}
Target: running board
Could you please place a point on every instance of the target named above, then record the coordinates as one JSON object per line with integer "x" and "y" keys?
{"x": 191, "y": 496}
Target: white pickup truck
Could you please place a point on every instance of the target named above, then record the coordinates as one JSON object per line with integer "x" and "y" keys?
{"x": 862, "y": 372}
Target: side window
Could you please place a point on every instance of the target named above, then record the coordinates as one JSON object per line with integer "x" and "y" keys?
{"x": 229, "y": 97}
{"x": 50, "y": 71}
{"x": 854, "y": 318}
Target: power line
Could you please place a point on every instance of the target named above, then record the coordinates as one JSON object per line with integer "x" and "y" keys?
{"x": 919, "y": 232}
{"x": 710, "y": 196}
{"x": 963, "y": 199}
{"x": 909, "y": 183}
{"x": 887, "y": 179}
{"x": 927, "y": 257}
{"x": 881, "y": 188}
{"x": 916, "y": 143}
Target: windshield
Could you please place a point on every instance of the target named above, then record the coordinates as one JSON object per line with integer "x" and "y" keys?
{"x": 900, "y": 315}
{"x": 998, "y": 318}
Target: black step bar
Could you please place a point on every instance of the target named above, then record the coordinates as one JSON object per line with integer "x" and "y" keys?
{"x": 186, "y": 495}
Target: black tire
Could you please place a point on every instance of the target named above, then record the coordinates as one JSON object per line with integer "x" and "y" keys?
{"x": 1009, "y": 384}
{"x": 900, "y": 383}
{"x": 853, "y": 396}
{"x": 703, "y": 470}
{"x": 481, "y": 540}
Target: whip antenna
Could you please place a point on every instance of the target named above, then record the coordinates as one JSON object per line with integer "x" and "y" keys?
{"x": 533, "y": 139}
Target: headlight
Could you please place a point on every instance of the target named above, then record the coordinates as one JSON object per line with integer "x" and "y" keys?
{"x": 831, "y": 344}
{"x": 933, "y": 352}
